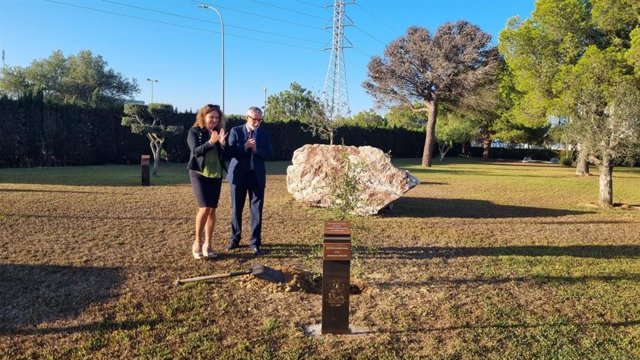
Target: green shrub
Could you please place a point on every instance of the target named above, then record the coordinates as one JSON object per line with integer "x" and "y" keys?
{"x": 566, "y": 161}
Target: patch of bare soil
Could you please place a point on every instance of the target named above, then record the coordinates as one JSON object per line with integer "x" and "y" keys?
{"x": 297, "y": 279}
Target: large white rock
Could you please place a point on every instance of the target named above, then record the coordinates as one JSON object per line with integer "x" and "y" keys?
{"x": 317, "y": 169}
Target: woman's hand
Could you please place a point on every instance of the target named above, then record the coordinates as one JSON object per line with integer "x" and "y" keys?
{"x": 218, "y": 136}
{"x": 222, "y": 138}
{"x": 214, "y": 136}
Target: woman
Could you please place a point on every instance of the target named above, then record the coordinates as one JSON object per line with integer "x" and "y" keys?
{"x": 206, "y": 141}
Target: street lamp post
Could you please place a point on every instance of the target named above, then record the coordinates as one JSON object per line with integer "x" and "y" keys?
{"x": 222, "y": 32}
{"x": 152, "y": 81}
{"x": 264, "y": 108}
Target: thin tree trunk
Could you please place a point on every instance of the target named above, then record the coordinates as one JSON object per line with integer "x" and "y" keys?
{"x": 486, "y": 147}
{"x": 155, "y": 150}
{"x": 156, "y": 146}
{"x": 466, "y": 146}
{"x": 155, "y": 165}
{"x": 606, "y": 183}
{"x": 582, "y": 164}
{"x": 427, "y": 152}
{"x": 444, "y": 148}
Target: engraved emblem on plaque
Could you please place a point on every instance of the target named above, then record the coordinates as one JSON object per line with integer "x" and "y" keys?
{"x": 336, "y": 293}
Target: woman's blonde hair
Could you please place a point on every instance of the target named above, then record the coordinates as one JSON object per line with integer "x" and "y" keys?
{"x": 203, "y": 113}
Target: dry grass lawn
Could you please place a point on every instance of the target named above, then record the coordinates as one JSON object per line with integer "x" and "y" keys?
{"x": 482, "y": 260}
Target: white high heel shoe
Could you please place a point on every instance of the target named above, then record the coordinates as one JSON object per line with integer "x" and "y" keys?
{"x": 208, "y": 252}
{"x": 196, "y": 254}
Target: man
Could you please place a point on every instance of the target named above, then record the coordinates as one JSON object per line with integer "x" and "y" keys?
{"x": 248, "y": 147}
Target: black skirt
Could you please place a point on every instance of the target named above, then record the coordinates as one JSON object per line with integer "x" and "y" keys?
{"x": 206, "y": 189}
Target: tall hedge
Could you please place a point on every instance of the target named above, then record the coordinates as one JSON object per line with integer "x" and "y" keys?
{"x": 37, "y": 133}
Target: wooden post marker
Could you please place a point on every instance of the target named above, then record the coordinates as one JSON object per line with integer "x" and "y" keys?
{"x": 144, "y": 165}
{"x": 335, "y": 277}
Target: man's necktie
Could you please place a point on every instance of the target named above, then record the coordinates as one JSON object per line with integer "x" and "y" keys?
{"x": 251, "y": 134}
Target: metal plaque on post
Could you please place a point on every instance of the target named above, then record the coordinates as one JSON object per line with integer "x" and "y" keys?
{"x": 335, "y": 277}
{"x": 144, "y": 165}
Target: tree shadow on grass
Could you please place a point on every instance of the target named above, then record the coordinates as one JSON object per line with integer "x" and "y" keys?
{"x": 100, "y": 326}
{"x": 579, "y": 251}
{"x": 433, "y": 183}
{"x": 53, "y": 191}
{"x": 412, "y": 330}
{"x": 470, "y": 209}
{"x": 98, "y": 217}
{"x": 36, "y": 294}
{"x": 244, "y": 254}
{"x": 529, "y": 164}
{"x": 429, "y": 171}
{"x": 285, "y": 251}
{"x": 534, "y": 279}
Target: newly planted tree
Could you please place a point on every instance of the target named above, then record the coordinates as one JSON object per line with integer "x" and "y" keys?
{"x": 151, "y": 121}
{"x": 319, "y": 124}
{"x": 447, "y": 68}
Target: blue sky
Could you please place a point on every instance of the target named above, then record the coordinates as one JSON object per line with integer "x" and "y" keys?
{"x": 268, "y": 43}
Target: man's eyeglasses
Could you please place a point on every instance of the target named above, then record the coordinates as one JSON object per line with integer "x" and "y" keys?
{"x": 254, "y": 119}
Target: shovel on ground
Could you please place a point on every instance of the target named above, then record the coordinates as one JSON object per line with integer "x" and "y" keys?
{"x": 260, "y": 271}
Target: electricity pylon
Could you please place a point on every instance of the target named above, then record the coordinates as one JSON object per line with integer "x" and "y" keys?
{"x": 335, "y": 95}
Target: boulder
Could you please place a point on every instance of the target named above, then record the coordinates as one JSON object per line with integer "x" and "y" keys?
{"x": 332, "y": 175}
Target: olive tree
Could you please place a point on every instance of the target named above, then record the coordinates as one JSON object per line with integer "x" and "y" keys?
{"x": 150, "y": 121}
{"x": 605, "y": 116}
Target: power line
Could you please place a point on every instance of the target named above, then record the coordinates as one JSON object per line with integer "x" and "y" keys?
{"x": 289, "y": 10}
{"x": 362, "y": 52}
{"x": 258, "y": 15}
{"x": 373, "y": 37}
{"x": 205, "y": 21}
{"x": 377, "y": 18}
{"x": 310, "y": 3}
{"x": 129, "y": 16}
{"x": 178, "y": 25}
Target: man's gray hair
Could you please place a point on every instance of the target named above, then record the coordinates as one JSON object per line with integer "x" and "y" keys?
{"x": 254, "y": 110}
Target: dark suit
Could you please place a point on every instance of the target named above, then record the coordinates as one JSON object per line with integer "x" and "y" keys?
{"x": 242, "y": 180}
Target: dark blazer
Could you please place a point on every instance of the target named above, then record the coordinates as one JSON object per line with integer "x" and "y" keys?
{"x": 240, "y": 163}
{"x": 198, "y": 141}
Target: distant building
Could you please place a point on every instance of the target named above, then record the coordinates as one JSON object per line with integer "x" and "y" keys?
{"x": 133, "y": 101}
